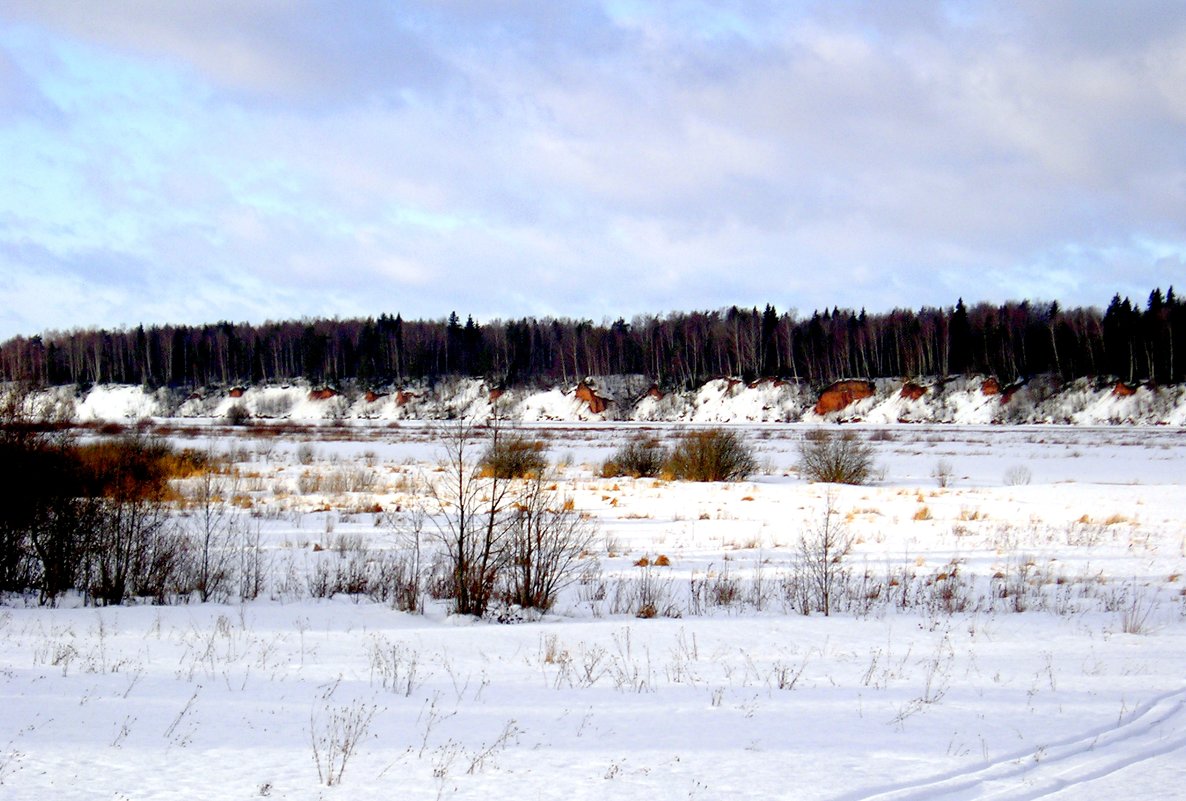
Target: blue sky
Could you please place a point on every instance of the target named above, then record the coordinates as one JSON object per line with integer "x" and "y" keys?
{"x": 194, "y": 162}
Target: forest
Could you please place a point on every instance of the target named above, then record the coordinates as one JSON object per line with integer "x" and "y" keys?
{"x": 1011, "y": 341}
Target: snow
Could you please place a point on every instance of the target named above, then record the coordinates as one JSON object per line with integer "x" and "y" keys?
{"x": 960, "y": 401}
{"x": 900, "y": 700}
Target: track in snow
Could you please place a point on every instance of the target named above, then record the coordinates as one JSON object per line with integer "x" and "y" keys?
{"x": 1155, "y": 729}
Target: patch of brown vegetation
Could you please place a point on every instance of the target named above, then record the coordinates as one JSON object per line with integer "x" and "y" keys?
{"x": 403, "y": 398}
{"x": 841, "y": 394}
{"x": 990, "y": 387}
{"x": 1123, "y": 390}
{"x": 654, "y": 392}
{"x": 237, "y": 392}
{"x": 495, "y": 394}
{"x": 596, "y": 403}
{"x": 912, "y": 391}
{"x": 373, "y": 396}
{"x": 322, "y": 394}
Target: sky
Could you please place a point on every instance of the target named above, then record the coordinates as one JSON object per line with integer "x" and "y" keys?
{"x": 262, "y": 160}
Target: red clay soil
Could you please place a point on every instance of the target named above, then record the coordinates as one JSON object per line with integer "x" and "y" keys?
{"x": 403, "y": 398}
{"x": 1123, "y": 390}
{"x": 912, "y": 391}
{"x": 495, "y": 394}
{"x": 654, "y": 392}
{"x": 373, "y": 396}
{"x": 237, "y": 392}
{"x": 322, "y": 394}
{"x": 841, "y": 394}
{"x": 990, "y": 387}
{"x": 585, "y": 393}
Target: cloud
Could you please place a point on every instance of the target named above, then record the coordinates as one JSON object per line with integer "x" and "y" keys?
{"x": 303, "y": 53}
{"x": 508, "y": 158}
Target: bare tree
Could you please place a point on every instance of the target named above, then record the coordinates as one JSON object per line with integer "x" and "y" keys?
{"x": 822, "y": 549}
{"x": 472, "y": 516}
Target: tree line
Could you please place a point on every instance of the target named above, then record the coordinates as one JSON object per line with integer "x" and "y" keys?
{"x": 1129, "y": 341}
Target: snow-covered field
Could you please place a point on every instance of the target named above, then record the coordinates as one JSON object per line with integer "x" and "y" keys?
{"x": 1017, "y": 633}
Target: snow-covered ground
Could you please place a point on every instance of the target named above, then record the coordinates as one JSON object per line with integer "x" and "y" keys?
{"x": 1017, "y": 633}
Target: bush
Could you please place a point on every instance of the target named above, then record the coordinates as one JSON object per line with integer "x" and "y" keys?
{"x": 547, "y": 538}
{"x": 942, "y": 472}
{"x": 715, "y": 454}
{"x": 514, "y": 456}
{"x": 1018, "y": 476}
{"x": 238, "y": 415}
{"x": 642, "y": 457}
{"x": 91, "y": 517}
{"x": 835, "y": 459}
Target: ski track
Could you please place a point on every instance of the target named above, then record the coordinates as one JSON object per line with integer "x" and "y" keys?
{"x": 1154, "y": 730}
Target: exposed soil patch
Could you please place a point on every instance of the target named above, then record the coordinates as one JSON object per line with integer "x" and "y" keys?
{"x": 841, "y": 394}
{"x": 596, "y": 403}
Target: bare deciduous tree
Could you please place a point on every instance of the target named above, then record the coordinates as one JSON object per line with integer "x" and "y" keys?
{"x": 472, "y": 516}
{"x": 822, "y": 549}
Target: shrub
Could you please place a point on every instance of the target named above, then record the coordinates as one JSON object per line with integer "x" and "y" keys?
{"x": 942, "y": 472}
{"x": 715, "y": 454}
{"x": 547, "y": 538}
{"x": 828, "y": 458}
{"x": 1017, "y": 476}
{"x": 238, "y": 415}
{"x": 514, "y": 456}
{"x": 642, "y": 457}
{"x": 92, "y": 517}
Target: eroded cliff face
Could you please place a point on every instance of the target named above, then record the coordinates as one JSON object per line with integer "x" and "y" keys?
{"x": 842, "y": 394}
{"x": 596, "y": 403}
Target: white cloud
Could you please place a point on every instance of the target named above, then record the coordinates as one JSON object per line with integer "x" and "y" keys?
{"x": 510, "y": 157}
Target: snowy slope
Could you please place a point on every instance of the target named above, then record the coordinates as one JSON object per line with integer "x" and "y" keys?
{"x": 965, "y": 401}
